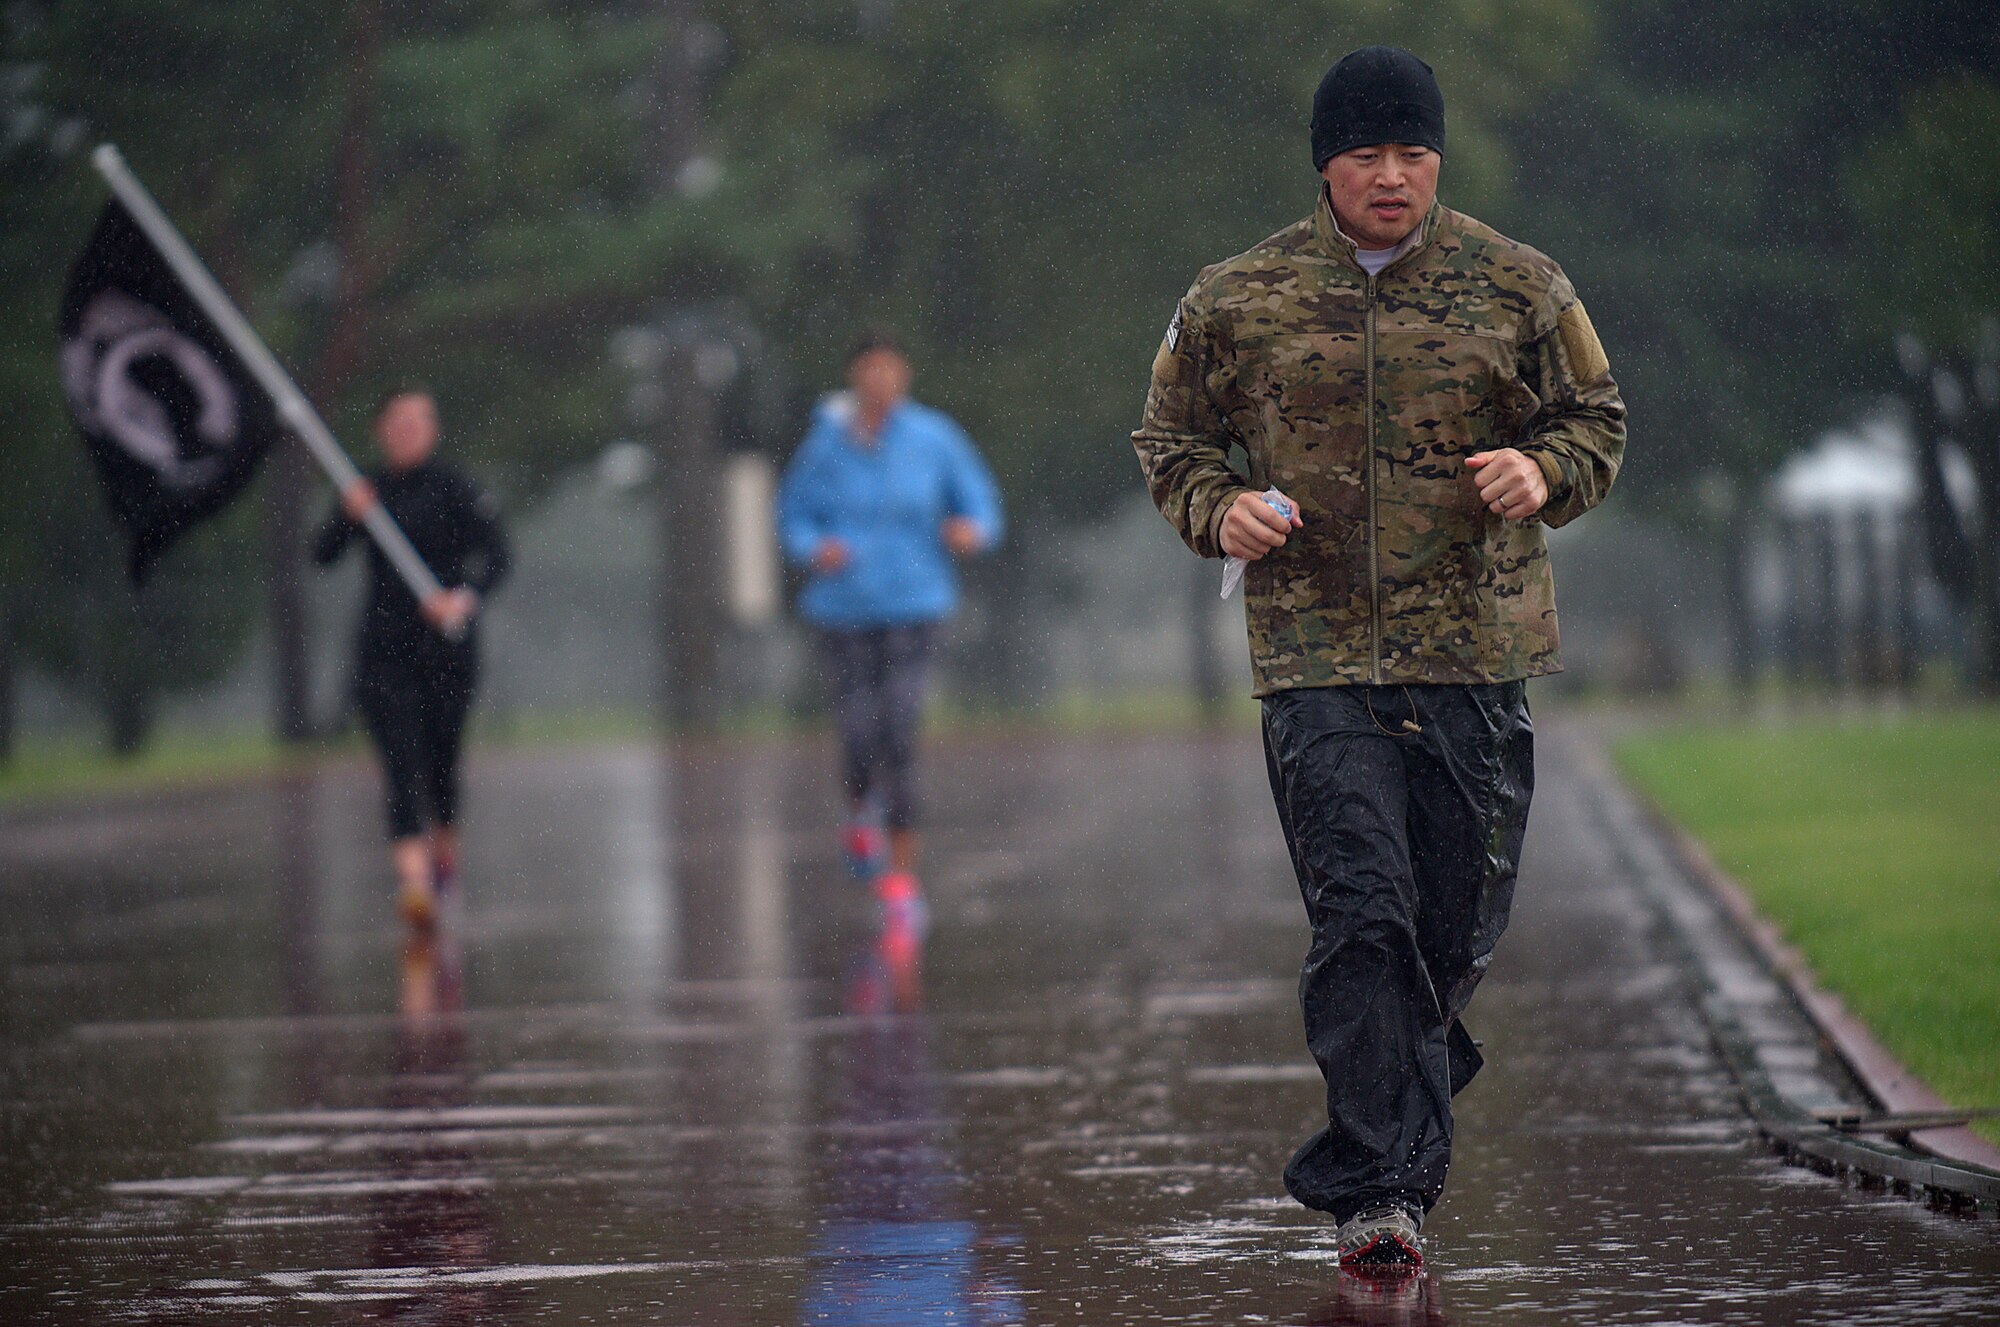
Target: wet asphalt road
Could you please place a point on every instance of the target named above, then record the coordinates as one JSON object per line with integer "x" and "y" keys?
{"x": 668, "y": 1069}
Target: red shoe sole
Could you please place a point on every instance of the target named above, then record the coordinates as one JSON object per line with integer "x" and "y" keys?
{"x": 1383, "y": 1254}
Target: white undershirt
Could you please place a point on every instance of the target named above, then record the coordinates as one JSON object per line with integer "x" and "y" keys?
{"x": 1374, "y": 260}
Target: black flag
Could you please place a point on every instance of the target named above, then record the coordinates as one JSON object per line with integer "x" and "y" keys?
{"x": 174, "y": 422}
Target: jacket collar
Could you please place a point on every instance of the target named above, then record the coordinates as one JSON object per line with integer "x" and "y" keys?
{"x": 1327, "y": 232}
{"x": 850, "y": 426}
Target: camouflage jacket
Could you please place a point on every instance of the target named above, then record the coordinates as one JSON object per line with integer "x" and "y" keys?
{"x": 1359, "y": 397}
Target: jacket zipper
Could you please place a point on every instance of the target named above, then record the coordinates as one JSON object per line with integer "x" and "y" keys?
{"x": 1374, "y": 569}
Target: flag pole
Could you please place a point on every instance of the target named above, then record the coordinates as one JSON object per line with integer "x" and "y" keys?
{"x": 292, "y": 406}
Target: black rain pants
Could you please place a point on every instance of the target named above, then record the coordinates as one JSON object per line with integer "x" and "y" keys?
{"x": 1404, "y": 810}
{"x": 416, "y": 710}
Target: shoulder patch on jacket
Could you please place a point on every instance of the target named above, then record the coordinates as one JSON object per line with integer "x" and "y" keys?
{"x": 1586, "y": 353}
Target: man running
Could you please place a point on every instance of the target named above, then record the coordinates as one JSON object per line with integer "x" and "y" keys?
{"x": 416, "y": 665}
{"x": 880, "y": 497}
{"x": 1428, "y": 395}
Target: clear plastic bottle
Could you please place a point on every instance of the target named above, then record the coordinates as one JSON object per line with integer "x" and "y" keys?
{"x": 1232, "y": 568}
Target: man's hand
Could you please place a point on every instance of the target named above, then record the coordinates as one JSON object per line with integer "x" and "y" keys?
{"x": 1510, "y": 482}
{"x": 357, "y": 500}
{"x": 830, "y": 556}
{"x": 962, "y": 536}
{"x": 1250, "y": 528}
{"x": 450, "y": 610}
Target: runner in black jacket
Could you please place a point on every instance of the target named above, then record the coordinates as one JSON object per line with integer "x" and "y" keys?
{"x": 412, "y": 682}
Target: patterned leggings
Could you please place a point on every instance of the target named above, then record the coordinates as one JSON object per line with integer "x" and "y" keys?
{"x": 879, "y": 678}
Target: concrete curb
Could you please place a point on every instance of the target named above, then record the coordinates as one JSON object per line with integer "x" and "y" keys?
{"x": 1795, "y": 1052}
{"x": 1895, "y": 1087}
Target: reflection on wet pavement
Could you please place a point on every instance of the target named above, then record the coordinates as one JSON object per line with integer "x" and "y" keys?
{"x": 891, "y": 1248}
{"x": 669, "y": 1066}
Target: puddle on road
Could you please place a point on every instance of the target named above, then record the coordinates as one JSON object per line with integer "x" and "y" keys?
{"x": 703, "y": 1086}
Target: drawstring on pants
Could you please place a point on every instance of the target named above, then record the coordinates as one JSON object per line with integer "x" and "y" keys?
{"x": 1409, "y": 725}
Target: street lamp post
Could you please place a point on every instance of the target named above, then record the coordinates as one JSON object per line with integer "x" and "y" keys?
{"x": 675, "y": 368}
{"x": 312, "y": 286}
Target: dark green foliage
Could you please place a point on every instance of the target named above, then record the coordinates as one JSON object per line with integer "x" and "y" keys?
{"x": 1026, "y": 189}
{"x": 1751, "y": 199}
{"x": 508, "y": 223}
{"x": 1700, "y": 181}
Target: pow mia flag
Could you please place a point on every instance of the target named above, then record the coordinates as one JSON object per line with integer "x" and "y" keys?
{"x": 173, "y": 421}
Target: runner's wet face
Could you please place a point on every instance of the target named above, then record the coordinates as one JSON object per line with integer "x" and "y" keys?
{"x": 880, "y": 378}
{"x": 1380, "y": 193}
{"x": 407, "y": 428}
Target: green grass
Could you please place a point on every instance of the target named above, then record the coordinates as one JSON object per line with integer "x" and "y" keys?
{"x": 43, "y": 772}
{"x": 1874, "y": 844}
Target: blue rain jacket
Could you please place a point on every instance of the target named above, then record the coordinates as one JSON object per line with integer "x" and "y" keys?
{"x": 886, "y": 502}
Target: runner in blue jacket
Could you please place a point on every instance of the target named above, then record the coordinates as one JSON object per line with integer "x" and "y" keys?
{"x": 879, "y": 499}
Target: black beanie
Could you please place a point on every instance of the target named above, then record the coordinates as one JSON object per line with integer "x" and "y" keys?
{"x": 1378, "y": 94}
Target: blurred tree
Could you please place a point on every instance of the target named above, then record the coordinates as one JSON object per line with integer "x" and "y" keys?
{"x": 1712, "y": 174}
{"x": 454, "y": 190}
{"x": 229, "y": 116}
{"x": 31, "y": 194}
{"x": 479, "y": 192}
{"x": 1927, "y": 196}
{"x": 120, "y": 649}
{"x": 1953, "y": 403}
{"x": 1698, "y": 170}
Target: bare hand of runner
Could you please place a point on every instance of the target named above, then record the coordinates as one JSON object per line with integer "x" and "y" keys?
{"x": 357, "y": 500}
{"x": 961, "y": 535}
{"x": 450, "y": 610}
{"x": 1510, "y": 482}
{"x": 830, "y": 556}
{"x": 1250, "y": 528}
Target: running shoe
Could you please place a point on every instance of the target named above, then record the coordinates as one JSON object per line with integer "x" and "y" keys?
{"x": 1381, "y": 1239}
{"x": 418, "y": 904}
{"x": 1400, "y": 1293}
{"x": 902, "y": 900}
{"x": 866, "y": 848}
